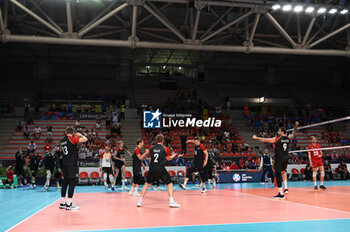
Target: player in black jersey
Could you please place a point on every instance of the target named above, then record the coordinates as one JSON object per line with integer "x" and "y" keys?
{"x": 70, "y": 166}
{"x": 157, "y": 170}
{"x": 211, "y": 169}
{"x": 49, "y": 164}
{"x": 119, "y": 162}
{"x": 281, "y": 144}
{"x": 34, "y": 162}
{"x": 59, "y": 166}
{"x": 199, "y": 163}
{"x": 137, "y": 158}
{"x": 19, "y": 167}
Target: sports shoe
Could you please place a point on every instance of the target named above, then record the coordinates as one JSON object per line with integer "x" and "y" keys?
{"x": 316, "y": 187}
{"x": 174, "y": 205}
{"x": 72, "y": 207}
{"x": 46, "y": 188}
{"x": 139, "y": 203}
{"x": 31, "y": 186}
{"x": 125, "y": 188}
{"x": 34, "y": 186}
{"x": 285, "y": 191}
{"x": 106, "y": 185}
{"x": 130, "y": 192}
{"x": 322, "y": 187}
{"x": 182, "y": 186}
{"x": 113, "y": 189}
{"x": 136, "y": 194}
{"x": 204, "y": 190}
{"x": 279, "y": 197}
{"x": 63, "y": 206}
{"x": 214, "y": 184}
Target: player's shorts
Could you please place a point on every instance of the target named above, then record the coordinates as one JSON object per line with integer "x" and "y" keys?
{"x": 202, "y": 172}
{"x": 119, "y": 163}
{"x": 280, "y": 165}
{"x": 70, "y": 172}
{"x": 33, "y": 172}
{"x": 49, "y": 168}
{"x": 317, "y": 163}
{"x": 107, "y": 170}
{"x": 138, "y": 179}
{"x": 155, "y": 175}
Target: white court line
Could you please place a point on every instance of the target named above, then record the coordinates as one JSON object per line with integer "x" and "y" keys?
{"x": 293, "y": 202}
{"x": 31, "y": 216}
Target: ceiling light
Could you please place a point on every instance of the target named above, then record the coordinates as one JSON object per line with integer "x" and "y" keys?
{"x": 344, "y": 11}
{"x": 298, "y": 8}
{"x": 321, "y": 10}
{"x": 287, "y": 7}
{"x": 333, "y": 11}
{"x": 276, "y": 6}
{"x": 310, "y": 9}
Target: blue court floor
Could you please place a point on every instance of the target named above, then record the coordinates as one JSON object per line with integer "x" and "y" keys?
{"x": 16, "y": 205}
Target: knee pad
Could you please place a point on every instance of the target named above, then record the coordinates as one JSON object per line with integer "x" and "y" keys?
{"x": 48, "y": 174}
{"x": 105, "y": 177}
{"x": 111, "y": 178}
{"x": 322, "y": 174}
{"x": 314, "y": 174}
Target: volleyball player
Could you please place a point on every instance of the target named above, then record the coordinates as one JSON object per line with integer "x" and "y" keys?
{"x": 49, "y": 164}
{"x": 107, "y": 167}
{"x": 315, "y": 159}
{"x": 119, "y": 157}
{"x": 70, "y": 166}
{"x": 199, "y": 163}
{"x": 211, "y": 169}
{"x": 34, "y": 162}
{"x": 157, "y": 170}
{"x": 281, "y": 144}
{"x": 137, "y": 158}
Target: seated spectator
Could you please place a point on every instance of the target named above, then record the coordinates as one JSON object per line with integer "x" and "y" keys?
{"x": 70, "y": 107}
{"x": 26, "y": 132}
{"x": 31, "y": 147}
{"x": 343, "y": 171}
{"x": 37, "y": 132}
{"x": 9, "y": 179}
{"x": 49, "y": 134}
{"x": 180, "y": 161}
{"x": 77, "y": 124}
{"x": 98, "y": 124}
{"x": 328, "y": 171}
{"x": 234, "y": 166}
{"x": 246, "y": 165}
{"x": 47, "y": 147}
{"x": 234, "y": 147}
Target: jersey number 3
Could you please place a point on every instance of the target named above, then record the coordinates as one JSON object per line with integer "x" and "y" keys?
{"x": 65, "y": 150}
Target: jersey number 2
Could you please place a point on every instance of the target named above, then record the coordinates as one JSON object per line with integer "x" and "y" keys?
{"x": 156, "y": 155}
{"x": 65, "y": 150}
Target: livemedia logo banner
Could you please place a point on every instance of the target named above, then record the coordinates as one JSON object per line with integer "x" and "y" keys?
{"x": 156, "y": 119}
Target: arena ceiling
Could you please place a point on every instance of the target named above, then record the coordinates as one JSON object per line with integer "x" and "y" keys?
{"x": 180, "y": 28}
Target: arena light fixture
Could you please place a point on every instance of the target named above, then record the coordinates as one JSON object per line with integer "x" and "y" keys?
{"x": 309, "y": 9}
{"x": 333, "y": 11}
{"x": 180, "y": 68}
{"x": 147, "y": 66}
{"x": 287, "y": 7}
{"x": 321, "y": 10}
{"x": 164, "y": 67}
{"x": 261, "y": 99}
{"x": 298, "y": 8}
{"x": 344, "y": 11}
{"x": 276, "y": 6}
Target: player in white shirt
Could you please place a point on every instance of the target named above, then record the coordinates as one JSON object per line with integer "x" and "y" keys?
{"x": 107, "y": 167}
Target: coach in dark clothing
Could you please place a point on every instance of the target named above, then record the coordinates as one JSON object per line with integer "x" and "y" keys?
{"x": 183, "y": 143}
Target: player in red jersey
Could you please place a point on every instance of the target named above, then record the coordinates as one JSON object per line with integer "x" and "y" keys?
{"x": 315, "y": 159}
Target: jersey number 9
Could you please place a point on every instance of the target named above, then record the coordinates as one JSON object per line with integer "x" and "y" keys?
{"x": 285, "y": 146}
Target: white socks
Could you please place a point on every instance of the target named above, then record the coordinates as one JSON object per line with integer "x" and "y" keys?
{"x": 280, "y": 191}
{"x": 69, "y": 201}
{"x": 171, "y": 199}
{"x": 63, "y": 200}
{"x": 285, "y": 184}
